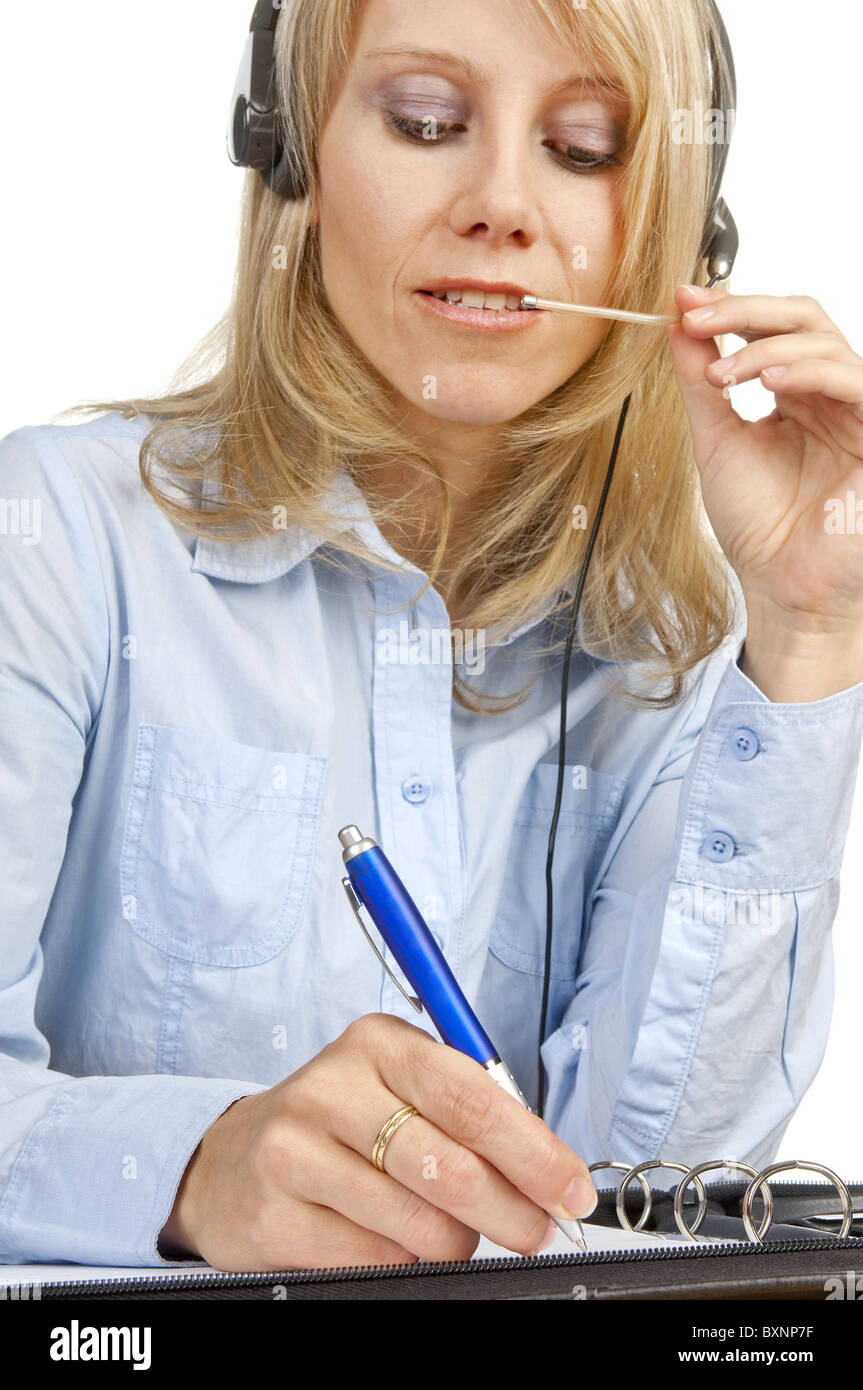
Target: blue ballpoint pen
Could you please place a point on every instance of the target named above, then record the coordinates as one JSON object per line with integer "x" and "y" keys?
{"x": 373, "y": 883}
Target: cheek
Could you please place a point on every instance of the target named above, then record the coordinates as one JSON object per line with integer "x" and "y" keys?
{"x": 587, "y": 236}
{"x": 368, "y": 229}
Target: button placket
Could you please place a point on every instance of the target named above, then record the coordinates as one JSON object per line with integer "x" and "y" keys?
{"x": 415, "y": 774}
{"x": 717, "y": 845}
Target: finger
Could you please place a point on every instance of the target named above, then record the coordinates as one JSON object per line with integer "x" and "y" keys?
{"x": 709, "y": 412}
{"x": 421, "y": 1158}
{"x": 693, "y": 296}
{"x": 327, "y": 1239}
{"x": 461, "y": 1099}
{"x": 749, "y": 362}
{"x": 755, "y": 314}
{"x": 837, "y": 380}
{"x": 309, "y": 1237}
{"x": 300, "y": 1221}
{"x": 377, "y": 1202}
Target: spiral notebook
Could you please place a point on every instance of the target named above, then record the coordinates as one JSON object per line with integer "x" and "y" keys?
{"x": 598, "y": 1238}
{"x": 801, "y": 1230}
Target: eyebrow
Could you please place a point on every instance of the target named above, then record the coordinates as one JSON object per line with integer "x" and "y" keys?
{"x": 478, "y": 76}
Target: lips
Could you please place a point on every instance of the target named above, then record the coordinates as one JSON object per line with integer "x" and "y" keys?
{"x": 478, "y": 309}
{"x": 505, "y": 287}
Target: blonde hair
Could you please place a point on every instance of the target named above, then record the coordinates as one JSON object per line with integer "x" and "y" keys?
{"x": 283, "y": 398}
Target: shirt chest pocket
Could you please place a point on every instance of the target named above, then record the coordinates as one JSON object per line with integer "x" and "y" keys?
{"x": 218, "y": 845}
{"x": 589, "y": 809}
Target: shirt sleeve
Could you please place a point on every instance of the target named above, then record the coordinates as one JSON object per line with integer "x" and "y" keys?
{"x": 705, "y": 987}
{"x": 89, "y": 1166}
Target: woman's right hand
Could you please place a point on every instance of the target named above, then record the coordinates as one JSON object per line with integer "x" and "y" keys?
{"x": 284, "y": 1178}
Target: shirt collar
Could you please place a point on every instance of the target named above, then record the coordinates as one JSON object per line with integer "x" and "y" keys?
{"x": 270, "y": 557}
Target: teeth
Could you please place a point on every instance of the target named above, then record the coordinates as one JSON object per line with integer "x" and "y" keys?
{"x": 476, "y": 299}
{"x": 473, "y": 299}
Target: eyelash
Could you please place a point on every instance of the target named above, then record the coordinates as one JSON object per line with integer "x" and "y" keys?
{"x": 411, "y": 129}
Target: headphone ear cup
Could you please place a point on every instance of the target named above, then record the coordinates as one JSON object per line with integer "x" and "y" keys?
{"x": 253, "y": 136}
{"x": 254, "y": 132}
{"x": 286, "y": 172}
{"x": 286, "y": 178}
{"x": 721, "y": 239}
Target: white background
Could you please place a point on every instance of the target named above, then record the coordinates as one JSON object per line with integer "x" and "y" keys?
{"x": 118, "y": 238}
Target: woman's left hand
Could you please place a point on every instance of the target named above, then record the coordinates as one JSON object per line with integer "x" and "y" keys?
{"x": 766, "y": 483}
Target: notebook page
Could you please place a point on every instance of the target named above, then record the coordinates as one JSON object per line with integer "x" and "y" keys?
{"x": 598, "y": 1238}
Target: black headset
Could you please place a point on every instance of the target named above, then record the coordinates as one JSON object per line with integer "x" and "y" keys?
{"x": 255, "y": 141}
{"x": 255, "y": 134}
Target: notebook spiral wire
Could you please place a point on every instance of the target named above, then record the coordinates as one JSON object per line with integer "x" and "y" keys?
{"x": 757, "y": 1186}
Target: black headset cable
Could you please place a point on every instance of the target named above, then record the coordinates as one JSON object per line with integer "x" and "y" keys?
{"x": 561, "y": 762}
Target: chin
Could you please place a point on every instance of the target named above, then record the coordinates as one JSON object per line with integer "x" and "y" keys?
{"x": 471, "y": 412}
{"x": 476, "y": 407}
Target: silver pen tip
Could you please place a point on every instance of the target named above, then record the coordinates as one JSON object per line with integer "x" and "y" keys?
{"x": 573, "y": 1230}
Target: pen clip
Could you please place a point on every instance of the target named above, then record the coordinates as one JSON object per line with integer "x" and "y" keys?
{"x": 356, "y": 905}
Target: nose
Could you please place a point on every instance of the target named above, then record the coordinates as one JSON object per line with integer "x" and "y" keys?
{"x": 497, "y": 196}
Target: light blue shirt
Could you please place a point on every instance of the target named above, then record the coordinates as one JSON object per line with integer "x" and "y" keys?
{"x": 185, "y": 725}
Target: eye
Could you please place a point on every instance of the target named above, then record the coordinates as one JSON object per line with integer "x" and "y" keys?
{"x": 425, "y": 130}
{"x": 430, "y": 130}
{"x": 580, "y": 160}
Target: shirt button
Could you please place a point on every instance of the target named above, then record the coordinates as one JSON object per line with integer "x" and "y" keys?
{"x": 745, "y": 744}
{"x": 415, "y": 790}
{"x": 718, "y": 846}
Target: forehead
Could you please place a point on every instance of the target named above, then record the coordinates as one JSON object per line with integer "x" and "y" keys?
{"x": 482, "y": 41}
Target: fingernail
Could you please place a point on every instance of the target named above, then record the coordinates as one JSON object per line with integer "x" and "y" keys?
{"x": 580, "y": 1198}
{"x": 726, "y": 363}
{"x": 694, "y": 289}
{"x": 774, "y": 373}
{"x": 550, "y": 1233}
{"x": 701, "y": 315}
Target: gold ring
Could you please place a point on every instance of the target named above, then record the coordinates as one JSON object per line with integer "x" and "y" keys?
{"x": 386, "y": 1133}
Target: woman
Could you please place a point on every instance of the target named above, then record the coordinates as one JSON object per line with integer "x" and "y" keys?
{"x": 200, "y": 687}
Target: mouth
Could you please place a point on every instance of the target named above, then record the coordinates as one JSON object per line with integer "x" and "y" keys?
{"x": 478, "y": 304}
